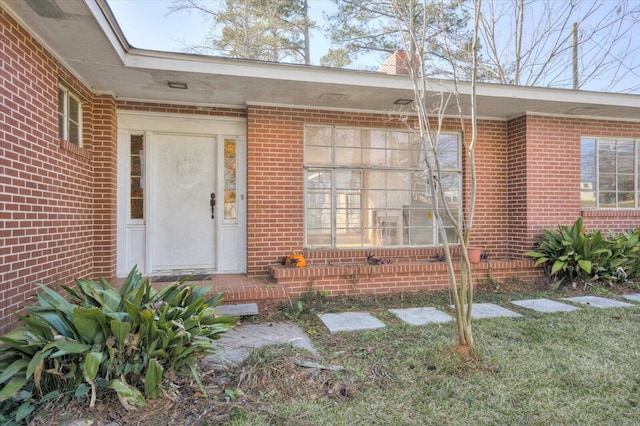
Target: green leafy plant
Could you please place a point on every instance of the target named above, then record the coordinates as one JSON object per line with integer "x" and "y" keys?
{"x": 570, "y": 254}
{"x": 102, "y": 337}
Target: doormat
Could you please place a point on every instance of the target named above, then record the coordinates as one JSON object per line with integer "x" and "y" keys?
{"x": 176, "y": 278}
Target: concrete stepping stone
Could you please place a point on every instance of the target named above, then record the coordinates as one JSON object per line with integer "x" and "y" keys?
{"x": 236, "y": 345}
{"x": 490, "y": 310}
{"x": 598, "y": 302}
{"x": 421, "y": 316}
{"x": 544, "y": 305}
{"x": 350, "y": 321}
{"x": 634, "y": 297}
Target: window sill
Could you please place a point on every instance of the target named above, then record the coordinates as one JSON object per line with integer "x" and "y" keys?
{"x": 75, "y": 149}
{"x": 611, "y": 213}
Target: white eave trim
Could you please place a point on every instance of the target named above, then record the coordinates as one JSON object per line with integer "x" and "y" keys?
{"x": 109, "y": 26}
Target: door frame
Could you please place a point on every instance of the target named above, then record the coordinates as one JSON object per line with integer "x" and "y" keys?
{"x": 133, "y": 239}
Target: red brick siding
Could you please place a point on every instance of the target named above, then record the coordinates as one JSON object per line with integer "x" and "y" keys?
{"x": 517, "y": 186}
{"x": 553, "y": 176}
{"x": 105, "y": 186}
{"x": 181, "y": 109}
{"x": 46, "y": 185}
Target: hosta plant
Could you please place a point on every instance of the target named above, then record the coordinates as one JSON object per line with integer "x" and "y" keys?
{"x": 101, "y": 337}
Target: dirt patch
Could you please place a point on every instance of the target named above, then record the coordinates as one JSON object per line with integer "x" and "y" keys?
{"x": 271, "y": 373}
{"x": 280, "y": 373}
{"x": 184, "y": 404}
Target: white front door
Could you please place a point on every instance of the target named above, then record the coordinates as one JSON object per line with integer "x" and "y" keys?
{"x": 181, "y": 234}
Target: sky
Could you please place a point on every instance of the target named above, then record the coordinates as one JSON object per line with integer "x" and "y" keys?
{"x": 149, "y": 24}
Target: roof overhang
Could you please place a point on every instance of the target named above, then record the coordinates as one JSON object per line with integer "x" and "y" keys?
{"x": 85, "y": 36}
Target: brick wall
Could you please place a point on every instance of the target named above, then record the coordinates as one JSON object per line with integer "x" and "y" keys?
{"x": 275, "y": 180}
{"x": 46, "y": 185}
{"x": 517, "y": 186}
{"x": 549, "y": 168}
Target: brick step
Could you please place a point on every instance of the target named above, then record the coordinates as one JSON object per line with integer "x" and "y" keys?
{"x": 238, "y": 310}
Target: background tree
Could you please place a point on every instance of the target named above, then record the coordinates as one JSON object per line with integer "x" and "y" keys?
{"x": 530, "y": 43}
{"x": 270, "y": 30}
{"x": 359, "y": 27}
{"x": 432, "y": 100}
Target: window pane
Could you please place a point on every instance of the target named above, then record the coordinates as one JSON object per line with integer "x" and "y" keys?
{"x": 588, "y": 164}
{"x": 587, "y": 198}
{"x": 317, "y": 155}
{"x": 376, "y": 199}
{"x": 348, "y": 238}
{"x": 587, "y": 147}
{"x": 398, "y": 140}
{"x": 373, "y": 157}
{"x": 607, "y": 199}
{"x": 625, "y": 183}
{"x": 230, "y": 179}
{"x": 74, "y": 133}
{"x": 448, "y": 143}
{"x": 375, "y": 180}
{"x": 349, "y": 157}
{"x": 389, "y": 227}
{"x": 318, "y": 199}
{"x": 373, "y": 139}
{"x": 317, "y": 146}
{"x": 319, "y": 238}
{"x": 398, "y": 199}
{"x": 348, "y": 137}
{"x": 398, "y": 180}
{"x": 61, "y": 114}
{"x": 607, "y": 182}
{"x": 625, "y": 200}
{"x": 322, "y": 136}
{"x": 318, "y": 179}
{"x": 347, "y": 179}
{"x": 421, "y": 236}
{"x": 74, "y": 110}
{"x": 74, "y": 121}
{"x": 399, "y": 158}
{"x": 137, "y": 176}
{"x": 625, "y": 164}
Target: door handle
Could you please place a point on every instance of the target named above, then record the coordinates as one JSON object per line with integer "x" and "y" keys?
{"x": 212, "y": 202}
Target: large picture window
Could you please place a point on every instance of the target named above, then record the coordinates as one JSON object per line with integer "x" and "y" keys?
{"x": 609, "y": 175}
{"x": 367, "y": 188}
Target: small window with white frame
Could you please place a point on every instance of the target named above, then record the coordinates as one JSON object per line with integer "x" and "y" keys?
{"x": 610, "y": 173}
{"x": 69, "y": 116}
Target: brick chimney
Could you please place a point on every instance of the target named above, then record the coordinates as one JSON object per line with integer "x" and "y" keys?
{"x": 397, "y": 63}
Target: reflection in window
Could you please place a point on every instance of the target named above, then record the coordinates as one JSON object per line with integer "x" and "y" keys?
{"x": 137, "y": 176}
{"x": 230, "y": 179}
{"x": 609, "y": 173}
{"x": 367, "y": 188}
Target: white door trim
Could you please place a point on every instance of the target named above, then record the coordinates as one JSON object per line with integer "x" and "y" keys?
{"x": 148, "y": 123}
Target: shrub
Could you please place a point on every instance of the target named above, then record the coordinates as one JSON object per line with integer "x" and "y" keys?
{"x": 570, "y": 254}
{"x": 101, "y": 337}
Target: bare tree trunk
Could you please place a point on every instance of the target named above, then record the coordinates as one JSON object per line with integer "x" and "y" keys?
{"x": 430, "y": 116}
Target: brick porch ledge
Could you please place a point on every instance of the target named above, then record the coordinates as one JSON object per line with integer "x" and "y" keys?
{"x": 360, "y": 278}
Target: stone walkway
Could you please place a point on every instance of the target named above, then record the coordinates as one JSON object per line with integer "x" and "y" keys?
{"x": 354, "y": 321}
{"x": 237, "y": 344}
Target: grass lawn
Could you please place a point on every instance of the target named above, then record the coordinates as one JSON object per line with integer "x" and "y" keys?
{"x": 581, "y": 367}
